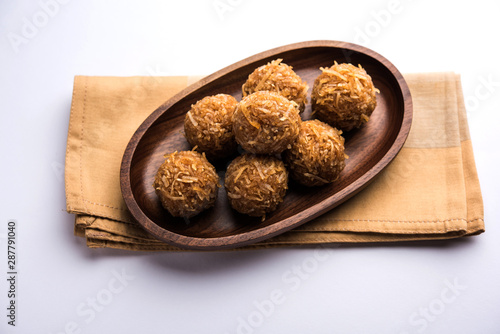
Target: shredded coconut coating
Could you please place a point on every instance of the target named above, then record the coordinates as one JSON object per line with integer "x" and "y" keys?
{"x": 317, "y": 156}
{"x": 343, "y": 96}
{"x": 186, "y": 183}
{"x": 266, "y": 123}
{"x": 280, "y": 78}
{"x": 256, "y": 184}
{"x": 209, "y": 126}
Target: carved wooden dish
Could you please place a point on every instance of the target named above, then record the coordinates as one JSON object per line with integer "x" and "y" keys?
{"x": 370, "y": 149}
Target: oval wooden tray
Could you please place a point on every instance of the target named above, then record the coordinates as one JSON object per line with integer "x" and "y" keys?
{"x": 370, "y": 149}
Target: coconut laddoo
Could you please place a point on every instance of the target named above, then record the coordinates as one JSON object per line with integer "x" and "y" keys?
{"x": 256, "y": 184}
{"x": 266, "y": 123}
{"x": 186, "y": 183}
{"x": 280, "y": 78}
{"x": 343, "y": 96}
{"x": 208, "y": 125}
{"x": 317, "y": 156}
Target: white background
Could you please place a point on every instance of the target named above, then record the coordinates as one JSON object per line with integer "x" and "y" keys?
{"x": 64, "y": 287}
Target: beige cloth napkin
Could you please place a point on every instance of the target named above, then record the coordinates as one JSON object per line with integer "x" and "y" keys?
{"x": 430, "y": 191}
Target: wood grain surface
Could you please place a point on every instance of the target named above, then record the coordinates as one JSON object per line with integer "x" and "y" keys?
{"x": 370, "y": 149}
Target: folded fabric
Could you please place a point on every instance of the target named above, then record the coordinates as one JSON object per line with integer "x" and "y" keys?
{"x": 430, "y": 191}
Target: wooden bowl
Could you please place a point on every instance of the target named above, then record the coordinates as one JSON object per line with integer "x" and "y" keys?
{"x": 370, "y": 149}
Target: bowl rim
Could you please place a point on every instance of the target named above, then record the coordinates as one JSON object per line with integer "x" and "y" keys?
{"x": 254, "y": 236}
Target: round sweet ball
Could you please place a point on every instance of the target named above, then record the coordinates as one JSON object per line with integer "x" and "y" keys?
{"x": 209, "y": 126}
{"x": 280, "y": 78}
{"x": 256, "y": 184}
{"x": 343, "y": 96}
{"x": 317, "y": 156}
{"x": 266, "y": 123}
{"x": 186, "y": 183}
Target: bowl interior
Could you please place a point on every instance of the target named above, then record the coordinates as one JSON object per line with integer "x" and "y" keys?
{"x": 366, "y": 148}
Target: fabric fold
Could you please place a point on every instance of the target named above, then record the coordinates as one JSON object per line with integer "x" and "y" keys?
{"x": 430, "y": 191}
